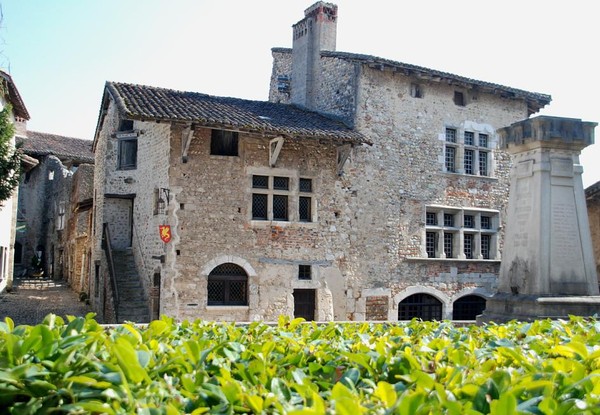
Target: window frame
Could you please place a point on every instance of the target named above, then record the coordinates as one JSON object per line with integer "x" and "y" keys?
{"x": 126, "y": 161}
{"x": 299, "y": 205}
{"x": 227, "y": 281}
{"x": 475, "y": 238}
{"x": 468, "y": 152}
{"x": 224, "y": 143}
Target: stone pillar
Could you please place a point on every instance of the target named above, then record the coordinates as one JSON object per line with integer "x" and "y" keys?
{"x": 548, "y": 267}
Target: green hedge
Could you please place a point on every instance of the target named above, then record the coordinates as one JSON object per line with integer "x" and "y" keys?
{"x": 80, "y": 366}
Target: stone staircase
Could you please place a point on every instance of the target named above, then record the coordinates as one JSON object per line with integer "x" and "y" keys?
{"x": 133, "y": 305}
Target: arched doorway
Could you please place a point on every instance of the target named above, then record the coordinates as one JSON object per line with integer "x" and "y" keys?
{"x": 227, "y": 285}
{"x": 468, "y": 307}
{"x": 423, "y": 306}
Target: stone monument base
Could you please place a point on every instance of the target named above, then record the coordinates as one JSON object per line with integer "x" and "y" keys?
{"x": 503, "y": 307}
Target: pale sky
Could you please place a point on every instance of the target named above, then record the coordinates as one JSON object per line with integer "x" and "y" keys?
{"x": 61, "y": 52}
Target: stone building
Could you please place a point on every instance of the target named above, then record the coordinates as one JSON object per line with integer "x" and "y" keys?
{"x": 9, "y": 95}
{"x": 366, "y": 189}
{"x": 54, "y": 213}
{"x": 592, "y": 196}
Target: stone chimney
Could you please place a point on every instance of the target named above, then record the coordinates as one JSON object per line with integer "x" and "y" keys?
{"x": 314, "y": 33}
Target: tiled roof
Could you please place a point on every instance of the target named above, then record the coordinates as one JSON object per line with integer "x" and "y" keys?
{"x": 593, "y": 192}
{"x": 535, "y": 100}
{"x": 267, "y": 118}
{"x": 44, "y": 144}
{"x": 14, "y": 97}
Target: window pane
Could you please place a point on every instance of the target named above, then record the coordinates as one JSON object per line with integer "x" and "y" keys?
{"x": 468, "y": 246}
{"x": 260, "y": 182}
{"x": 451, "y": 135}
{"x": 469, "y": 221}
{"x": 483, "y": 140}
{"x": 483, "y": 163}
{"x": 127, "y": 154}
{"x": 430, "y": 244}
{"x": 469, "y": 161}
{"x": 448, "y": 244}
{"x": 486, "y": 222}
{"x": 450, "y": 159}
{"x": 216, "y": 292}
{"x": 237, "y": 293}
{"x": 280, "y": 207}
{"x": 259, "y": 206}
{"x": 448, "y": 220}
{"x": 304, "y": 209}
{"x": 281, "y": 183}
{"x": 431, "y": 218}
{"x": 485, "y": 246}
{"x": 459, "y": 98}
{"x": 469, "y": 138}
{"x": 306, "y": 185}
{"x": 304, "y": 272}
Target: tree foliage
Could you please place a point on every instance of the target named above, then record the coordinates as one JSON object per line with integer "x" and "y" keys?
{"x": 10, "y": 157}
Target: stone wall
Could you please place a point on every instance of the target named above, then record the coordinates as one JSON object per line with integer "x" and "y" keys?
{"x": 213, "y": 225}
{"x": 593, "y": 209}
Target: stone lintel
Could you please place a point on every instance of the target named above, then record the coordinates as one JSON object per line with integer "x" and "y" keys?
{"x": 547, "y": 131}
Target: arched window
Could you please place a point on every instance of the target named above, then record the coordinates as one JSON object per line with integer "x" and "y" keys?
{"x": 228, "y": 285}
{"x": 423, "y": 306}
{"x": 468, "y": 307}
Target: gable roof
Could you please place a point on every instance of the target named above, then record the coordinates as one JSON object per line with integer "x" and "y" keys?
{"x": 44, "y": 144}
{"x": 535, "y": 101}
{"x": 270, "y": 119}
{"x": 13, "y": 96}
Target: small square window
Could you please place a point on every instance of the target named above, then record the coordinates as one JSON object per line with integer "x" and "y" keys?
{"x": 416, "y": 91}
{"x": 224, "y": 143}
{"x": 448, "y": 220}
{"x": 304, "y": 272}
{"x": 469, "y": 221}
{"x": 281, "y": 183}
{"x": 260, "y": 182}
{"x": 126, "y": 125}
{"x": 431, "y": 218}
{"x": 486, "y": 222}
{"x": 306, "y": 185}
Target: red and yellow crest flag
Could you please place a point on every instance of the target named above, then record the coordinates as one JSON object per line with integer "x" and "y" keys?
{"x": 165, "y": 233}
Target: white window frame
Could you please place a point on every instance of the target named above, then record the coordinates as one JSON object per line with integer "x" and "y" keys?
{"x": 458, "y": 231}
{"x": 476, "y": 149}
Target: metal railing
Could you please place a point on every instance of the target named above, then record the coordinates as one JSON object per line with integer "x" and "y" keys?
{"x": 107, "y": 247}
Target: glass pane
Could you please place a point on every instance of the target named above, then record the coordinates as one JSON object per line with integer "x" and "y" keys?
{"x": 216, "y": 291}
{"x": 306, "y": 185}
{"x": 280, "y": 207}
{"x": 259, "y": 206}
{"x": 304, "y": 209}
{"x": 431, "y": 218}
{"x": 450, "y": 159}
{"x": 304, "y": 272}
{"x": 260, "y": 182}
{"x": 469, "y": 138}
{"x": 281, "y": 183}
{"x": 237, "y": 293}
{"x": 451, "y": 135}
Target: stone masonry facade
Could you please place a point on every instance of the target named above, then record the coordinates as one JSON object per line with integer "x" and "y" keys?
{"x": 409, "y": 217}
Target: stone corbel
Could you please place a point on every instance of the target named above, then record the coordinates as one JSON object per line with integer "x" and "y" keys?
{"x": 343, "y": 152}
{"x": 274, "y": 150}
{"x": 186, "y": 139}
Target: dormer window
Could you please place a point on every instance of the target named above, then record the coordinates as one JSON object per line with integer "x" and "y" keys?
{"x": 224, "y": 143}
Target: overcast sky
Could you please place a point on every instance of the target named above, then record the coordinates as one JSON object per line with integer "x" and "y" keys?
{"x": 60, "y": 53}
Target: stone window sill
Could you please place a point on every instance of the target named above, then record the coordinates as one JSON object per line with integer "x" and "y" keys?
{"x": 470, "y": 176}
{"x": 419, "y": 259}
